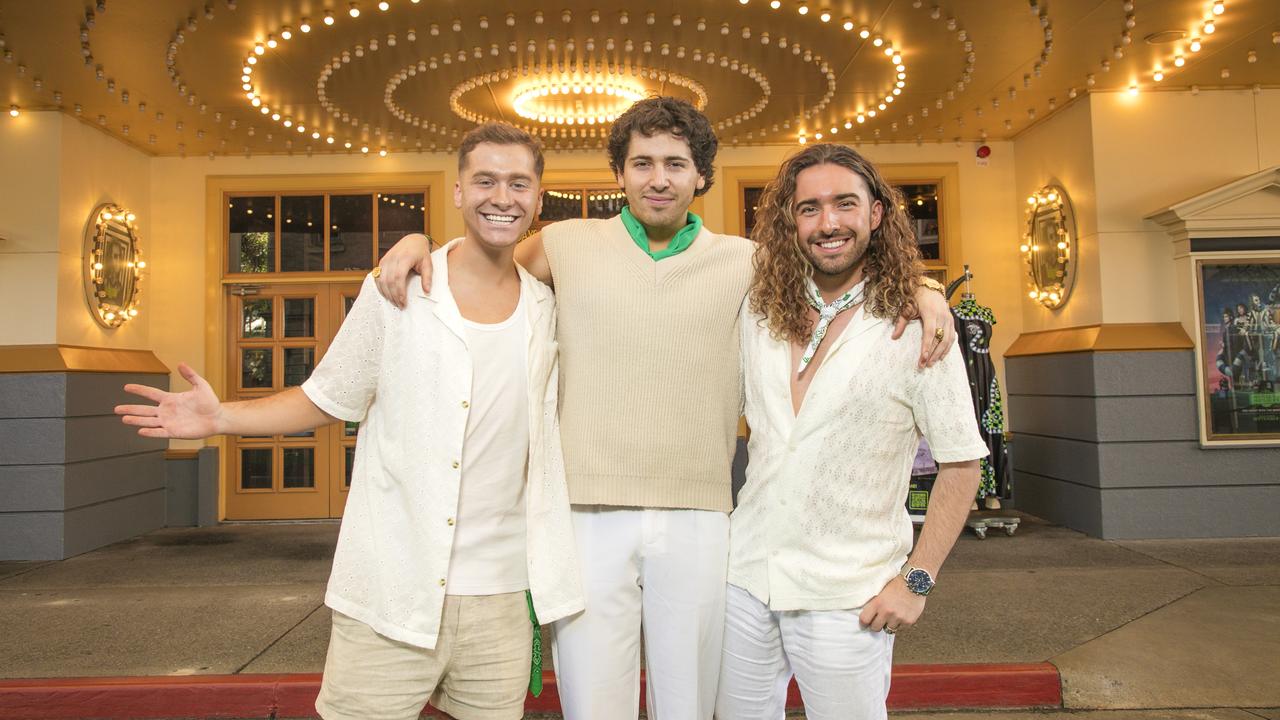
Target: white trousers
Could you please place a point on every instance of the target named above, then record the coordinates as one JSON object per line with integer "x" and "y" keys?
{"x": 660, "y": 569}
{"x": 843, "y": 669}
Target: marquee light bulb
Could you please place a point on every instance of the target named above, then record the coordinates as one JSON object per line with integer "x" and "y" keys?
{"x": 305, "y": 25}
{"x": 1195, "y": 44}
{"x": 803, "y": 9}
{"x": 1219, "y": 7}
{"x": 384, "y": 6}
{"x": 13, "y": 111}
{"x": 354, "y": 11}
{"x": 328, "y": 17}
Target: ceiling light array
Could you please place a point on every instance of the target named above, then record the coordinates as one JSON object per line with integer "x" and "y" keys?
{"x": 1203, "y": 27}
{"x": 530, "y": 101}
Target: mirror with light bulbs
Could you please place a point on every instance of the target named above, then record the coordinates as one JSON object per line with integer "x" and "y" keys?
{"x": 113, "y": 265}
{"x": 1049, "y": 246}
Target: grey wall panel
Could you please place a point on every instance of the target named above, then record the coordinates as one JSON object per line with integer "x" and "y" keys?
{"x": 32, "y": 395}
{"x": 1075, "y": 506}
{"x": 1168, "y": 417}
{"x": 1170, "y": 372}
{"x": 31, "y": 536}
{"x": 1106, "y": 419}
{"x": 32, "y": 441}
{"x": 97, "y": 481}
{"x": 1185, "y": 464}
{"x": 99, "y": 393}
{"x": 1054, "y": 416}
{"x": 1090, "y": 374}
{"x": 1072, "y": 460}
{"x": 102, "y": 436}
{"x": 1062, "y": 374}
{"x": 31, "y": 488}
{"x": 93, "y": 526}
{"x": 182, "y": 492}
{"x": 1191, "y": 512}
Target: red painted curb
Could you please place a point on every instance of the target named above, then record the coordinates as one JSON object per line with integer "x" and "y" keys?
{"x": 915, "y": 687}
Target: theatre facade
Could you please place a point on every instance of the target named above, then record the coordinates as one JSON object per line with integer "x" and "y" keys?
{"x": 208, "y": 182}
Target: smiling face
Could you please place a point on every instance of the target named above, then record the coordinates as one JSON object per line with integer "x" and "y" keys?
{"x": 835, "y": 216}
{"x": 498, "y": 193}
{"x": 660, "y": 179}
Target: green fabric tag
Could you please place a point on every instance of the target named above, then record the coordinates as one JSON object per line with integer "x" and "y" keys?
{"x": 681, "y": 242}
{"x": 535, "y": 667}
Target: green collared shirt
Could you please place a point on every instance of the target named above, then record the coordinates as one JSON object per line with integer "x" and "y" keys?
{"x": 681, "y": 242}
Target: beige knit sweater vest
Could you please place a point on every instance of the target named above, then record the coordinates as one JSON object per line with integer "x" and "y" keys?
{"x": 650, "y": 380}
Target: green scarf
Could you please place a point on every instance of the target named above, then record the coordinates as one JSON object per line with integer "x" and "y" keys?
{"x": 679, "y": 243}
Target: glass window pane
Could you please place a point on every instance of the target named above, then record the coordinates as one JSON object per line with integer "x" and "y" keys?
{"x": 921, "y": 204}
{"x": 560, "y": 205}
{"x": 255, "y": 368}
{"x": 398, "y": 215}
{"x": 605, "y": 203}
{"x": 303, "y": 434}
{"x": 251, "y": 234}
{"x": 351, "y": 232}
{"x": 255, "y": 468}
{"x": 299, "y": 317}
{"x": 302, "y": 233}
{"x": 750, "y": 204}
{"x": 347, "y": 302}
{"x": 298, "y": 364}
{"x": 348, "y": 462}
{"x": 349, "y": 429}
{"x": 299, "y": 467}
{"x": 256, "y": 319}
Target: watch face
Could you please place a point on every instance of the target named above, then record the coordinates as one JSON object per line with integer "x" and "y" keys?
{"x": 919, "y": 582}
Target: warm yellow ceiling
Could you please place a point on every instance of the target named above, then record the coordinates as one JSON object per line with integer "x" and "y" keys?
{"x": 166, "y": 75}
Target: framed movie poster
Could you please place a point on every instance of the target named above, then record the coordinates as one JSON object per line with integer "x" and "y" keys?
{"x": 1238, "y": 312}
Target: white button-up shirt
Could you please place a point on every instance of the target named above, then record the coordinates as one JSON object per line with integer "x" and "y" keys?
{"x": 821, "y": 522}
{"x": 405, "y": 375}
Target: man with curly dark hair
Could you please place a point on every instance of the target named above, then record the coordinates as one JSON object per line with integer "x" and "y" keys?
{"x": 648, "y": 306}
{"x": 821, "y": 567}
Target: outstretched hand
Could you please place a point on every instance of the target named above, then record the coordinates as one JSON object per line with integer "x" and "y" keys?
{"x": 934, "y": 315}
{"x": 412, "y": 253}
{"x": 190, "y": 415}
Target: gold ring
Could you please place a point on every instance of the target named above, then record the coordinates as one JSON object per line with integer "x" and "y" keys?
{"x": 890, "y": 630}
{"x": 377, "y": 271}
{"x": 937, "y": 334}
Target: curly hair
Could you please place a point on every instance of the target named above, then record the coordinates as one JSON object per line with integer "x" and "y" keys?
{"x": 891, "y": 265}
{"x": 666, "y": 114}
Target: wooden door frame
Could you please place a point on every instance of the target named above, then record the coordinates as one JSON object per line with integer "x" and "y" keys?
{"x": 216, "y": 321}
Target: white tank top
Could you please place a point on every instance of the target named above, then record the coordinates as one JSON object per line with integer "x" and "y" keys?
{"x": 489, "y": 542}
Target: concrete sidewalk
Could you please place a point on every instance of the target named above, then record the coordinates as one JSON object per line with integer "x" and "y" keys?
{"x": 1129, "y": 625}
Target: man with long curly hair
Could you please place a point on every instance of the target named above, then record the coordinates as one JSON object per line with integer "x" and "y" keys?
{"x": 648, "y": 305}
{"x": 821, "y": 568}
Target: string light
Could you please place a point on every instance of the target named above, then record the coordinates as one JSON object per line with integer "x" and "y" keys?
{"x": 354, "y": 10}
{"x": 328, "y": 17}
{"x": 13, "y": 111}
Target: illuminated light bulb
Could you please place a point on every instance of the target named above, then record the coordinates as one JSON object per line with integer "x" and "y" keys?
{"x": 1033, "y": 295}
{"x": 1031, "y": 200}
{"x": 382, "y": 152}
{"x": 775, "y": 4}
{"x": 871, "y": 113}
{"x": 865, "y": 32}
{"x": 1052, "y": 197}
{"x": 1062, "y": 246}
{"x": 329, "y": 140}
{"x": 848, "y": 125}
{"x": 817, "y": 136}
{"x": 305, "y": 25}
{"x": 288, "y": 122}
{"x": 13, "y": 111}
{"x": 861, "y": 118}
{"x": 825, "y": 16}
{"x": 384, "y": 6}
{"x": 315, "y": 136}
{"x": 346, "y": 145}
{"x": 1195, "y": 44}
{"x": 328, "y": 17}
{"x": 271, "y": 42}
{"x": 275, "y": 116}
{"x": 803, "y": 9}
{"x": 1133, "y": 89}
{"x": 130, "y": 218}
{"x": 1024, "y": 248}
{"x": 286, "y": 33}
{"x": 354, "y": 11}
{"x": 877, "y": 41}
{"x": 259, "y": 49}
{"x": 1179, "y": 61}
{"x": 97, "y": 266}
{"x": 133, "y": 312}
{"x": 1209, "y": 27}
{"x": 1157, "y": 76}
{"x": 252, "y": 60}
{"x": 255, "y": 102}
{"x": 107, "y": 216}
{"x": 1219, "y": 7}
{"x": 142, "y": 265}
{"x": 364, "y": 149}
{"x": 110, "y": 316}
{"x": 847, "y": 24}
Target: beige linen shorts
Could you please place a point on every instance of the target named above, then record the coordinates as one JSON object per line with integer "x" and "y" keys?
{"x": 479, "y": 669}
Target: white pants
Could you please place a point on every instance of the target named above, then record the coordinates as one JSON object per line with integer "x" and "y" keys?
{"x": 842, "y": 669}
{"x": 665, "y": 570}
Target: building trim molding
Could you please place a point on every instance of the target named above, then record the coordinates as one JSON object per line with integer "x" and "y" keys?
{"x": 1114, "y": 337}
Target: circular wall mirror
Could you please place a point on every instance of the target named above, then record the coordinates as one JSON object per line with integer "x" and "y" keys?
{"x": 113, "y": 265}
{"x": 1049, "y": 246}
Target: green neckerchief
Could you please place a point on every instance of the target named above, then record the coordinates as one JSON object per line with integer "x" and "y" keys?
{"x": 535, "y": 667}
{"x": 679, "y": 243}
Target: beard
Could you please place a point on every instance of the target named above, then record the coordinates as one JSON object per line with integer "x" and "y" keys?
{"x": 855, "y": 253}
